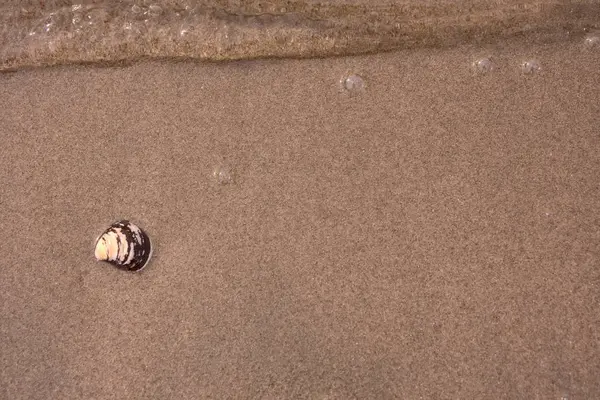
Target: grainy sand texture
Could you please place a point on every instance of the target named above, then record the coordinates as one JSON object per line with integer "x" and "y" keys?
{"x": 428, "y": 229}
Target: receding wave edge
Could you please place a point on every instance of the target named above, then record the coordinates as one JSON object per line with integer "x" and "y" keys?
{"x": 43, "y": 33}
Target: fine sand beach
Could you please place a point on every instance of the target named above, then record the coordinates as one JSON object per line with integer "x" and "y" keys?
{"x": 328, "y": 221}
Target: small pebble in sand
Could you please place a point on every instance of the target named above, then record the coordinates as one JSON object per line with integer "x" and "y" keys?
{"x": 125, "y": 246}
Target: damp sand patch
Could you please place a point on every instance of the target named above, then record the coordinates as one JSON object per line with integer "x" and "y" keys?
{"x": 43, "y": 33}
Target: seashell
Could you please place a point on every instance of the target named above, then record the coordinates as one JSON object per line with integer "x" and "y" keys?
{"x": 125, "y": 246}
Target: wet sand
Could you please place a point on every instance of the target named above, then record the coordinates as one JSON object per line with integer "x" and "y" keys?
{"x": 57, "y": 32}
{"x": 435, "y": 235}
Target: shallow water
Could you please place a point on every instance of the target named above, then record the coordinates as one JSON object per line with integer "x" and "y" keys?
{"x": 41, "y": 32}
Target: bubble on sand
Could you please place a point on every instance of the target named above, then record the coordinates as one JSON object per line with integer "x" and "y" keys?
{"x": 154, "y": 10}
{"x": 45, "y": 26}
{"x": 530, "y": 67}
{"x": 592, "y": 40}
{"x": 76, "y": 20}
{"x": 484, "y": 65}
{"x": 353, "y": 83}
{"x": 96, "y": 16}
{"x": 223, "y": 174}
{"x": 184, "y": 29}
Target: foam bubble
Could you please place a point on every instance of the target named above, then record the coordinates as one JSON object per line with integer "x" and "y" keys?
{"x": 484, "y": 65}
{"x": 223, "y": 174}
{"x": 592, "y": 40}
{"x": 353, "y": 83}
{"x": 154, "y": 10}
{"x": 530, "y": 67}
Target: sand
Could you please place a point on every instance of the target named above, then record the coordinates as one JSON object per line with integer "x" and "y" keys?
{"x": 433, "y": 235}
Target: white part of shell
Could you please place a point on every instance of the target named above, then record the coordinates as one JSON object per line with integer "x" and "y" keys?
{"x": 101, "y": 251}
{"x": 107, "y": 248}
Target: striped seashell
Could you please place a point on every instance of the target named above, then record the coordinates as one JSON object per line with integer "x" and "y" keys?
{"x": 125, "y": 246}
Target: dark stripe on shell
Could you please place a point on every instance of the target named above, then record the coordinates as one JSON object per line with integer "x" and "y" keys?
{"x": 141, "y": 246}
